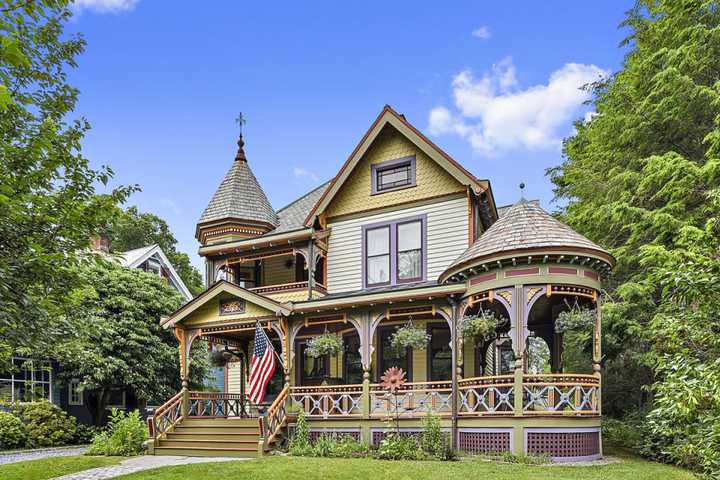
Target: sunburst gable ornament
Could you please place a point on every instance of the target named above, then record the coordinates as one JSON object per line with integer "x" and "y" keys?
{"x": 392, "y": 379}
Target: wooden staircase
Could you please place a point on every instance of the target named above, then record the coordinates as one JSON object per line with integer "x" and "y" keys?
{"x": 212, "y": 437}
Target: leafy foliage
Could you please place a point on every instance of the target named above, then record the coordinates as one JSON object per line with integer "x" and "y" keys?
{"x": 12, "y": 431}
{"x": 131, "y": 229}
{"x": 409, "y": 336}
{"x": 576, "y": 318}
{"x": 399, "y": 447}
{"x": 128, "y": 348}
{"x": 47, "y": 425}
{"x": 433, "y": 441}
{"x": 49, "y": 208}
{"x": 125, "y": 436}
{"x": 482, "y": 327}
{"x": 300, "y": 442}
{"x": 325, "y": 344}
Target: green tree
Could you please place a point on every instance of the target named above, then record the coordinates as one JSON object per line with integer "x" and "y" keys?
{"x": 132, "y": 229}
{"x": 127, "y": 347}
{"x": 640, "y": 171}
{"x": 49, "y": 208}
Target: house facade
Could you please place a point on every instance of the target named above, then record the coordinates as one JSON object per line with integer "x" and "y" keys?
{"x": 403, "y": 235}
{"x": 33, "y": 379}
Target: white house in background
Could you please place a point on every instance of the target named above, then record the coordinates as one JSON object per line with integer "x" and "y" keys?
{"x": 153, "y": 260}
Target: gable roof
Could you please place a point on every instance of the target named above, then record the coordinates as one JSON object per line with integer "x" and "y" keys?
{"x": 223, "y": 286}
{"x": 240, "y": 196}
{"x": 292, "y": 216}
{"x": 136, "y": 257}
{"x": 524, "y": 227}
{"x": 388, "y": 116}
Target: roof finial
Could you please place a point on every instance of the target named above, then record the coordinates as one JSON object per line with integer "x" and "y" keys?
{"x": 240, "y": 153}
{"x": 522, "y": 191}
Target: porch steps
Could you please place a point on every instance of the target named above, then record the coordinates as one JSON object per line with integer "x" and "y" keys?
{"x": 198, "y": 437}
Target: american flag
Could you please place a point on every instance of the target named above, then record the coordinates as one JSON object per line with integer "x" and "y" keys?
{"x": 262, "y": 366}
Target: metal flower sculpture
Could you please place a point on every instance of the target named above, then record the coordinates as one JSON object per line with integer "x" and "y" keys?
{"x": 392, "y": 379}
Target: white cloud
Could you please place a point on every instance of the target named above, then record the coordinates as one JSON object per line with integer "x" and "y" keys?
{"x": 482, "y": 32}
{"x": 104, "y": 6}
{"x": 301, "y": 173}
{"x": 494, "y": 113}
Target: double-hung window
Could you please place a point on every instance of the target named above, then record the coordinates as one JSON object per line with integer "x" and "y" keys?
{"x": 394, "y": 252}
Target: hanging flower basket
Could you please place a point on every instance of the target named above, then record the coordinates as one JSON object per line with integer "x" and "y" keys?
{"x": 220, "y": 358}
{"x": 575, "y": 319}
{"x": 325, "y": 344}
{"x": 482, "y": 327}
{"x": 409, "y": 336}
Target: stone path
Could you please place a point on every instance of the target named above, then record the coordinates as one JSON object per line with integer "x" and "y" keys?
{"x": 22, "y": 455}
{"x": 137, "y": 464}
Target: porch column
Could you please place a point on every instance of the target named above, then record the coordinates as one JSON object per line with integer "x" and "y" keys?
{"x": 518, "y": 319}
{"x": 597, "y": 352}
{"x": 456, "y": 371}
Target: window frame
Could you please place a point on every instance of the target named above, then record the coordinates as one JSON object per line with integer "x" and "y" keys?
{"x": 393, "y": 227}
{"x": 388, "y": 330}
{"x": 73, "y": 385}
{"x": 19, "y": 380}
{"x": 389, "y": 254}
{"x": 430, "y": 326}
{"x": 377, "y": 168}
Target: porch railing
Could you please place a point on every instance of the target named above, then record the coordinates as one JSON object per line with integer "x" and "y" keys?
{"x": 486, "y": 396}
{"x": 220, "y": 405}
{"x": 416, "y": 398}
{"x": 561, "y": 394}
{"x": 329, "y": 401}
{"x": 275, "y": 417}
{"x": 165, "y": 417}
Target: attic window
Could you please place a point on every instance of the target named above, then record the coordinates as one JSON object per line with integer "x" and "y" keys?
{"x": 393, "y": 175}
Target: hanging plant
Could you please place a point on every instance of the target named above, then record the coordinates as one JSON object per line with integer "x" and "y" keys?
{"x": 409, "y": 336}
{"x": 325, "y": 344}
{"x": 220, "y": 358}
{"x": 482, "y": 327}
{"x": 575, "y": 319}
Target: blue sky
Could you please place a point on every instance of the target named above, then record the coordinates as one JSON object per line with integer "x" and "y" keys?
{"x": 495, "y": 84}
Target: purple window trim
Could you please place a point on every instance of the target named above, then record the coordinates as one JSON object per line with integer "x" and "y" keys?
{"x": 393, "y": 250}
{"x": 378, "y": 167}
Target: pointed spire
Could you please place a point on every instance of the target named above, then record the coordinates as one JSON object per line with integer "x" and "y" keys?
{"x": 240, "y": 155}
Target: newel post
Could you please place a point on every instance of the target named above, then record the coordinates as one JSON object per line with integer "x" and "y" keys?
{"x": 365, "y": 397}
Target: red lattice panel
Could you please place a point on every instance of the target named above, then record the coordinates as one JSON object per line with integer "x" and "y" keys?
{"x": 564, "y": 444}
{"x": 315, "y": 434}
{"x": 484, "y": 442}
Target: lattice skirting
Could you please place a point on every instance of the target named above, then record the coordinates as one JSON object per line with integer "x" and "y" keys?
{"x": 337, "y": 432}
{"x": 485, "y": 440}
{"x": 564, "y": 444}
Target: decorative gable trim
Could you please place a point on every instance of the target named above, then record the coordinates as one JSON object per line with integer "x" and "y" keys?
{"x": 388, "y": 116}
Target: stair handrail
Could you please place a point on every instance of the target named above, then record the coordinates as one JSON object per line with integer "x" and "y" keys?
{"x": 165, "y": 417}
{"x": 275, "y": 417}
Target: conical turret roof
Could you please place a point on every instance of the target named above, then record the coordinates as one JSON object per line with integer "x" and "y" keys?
{"x": 525, "y": 227}
{"x": 240, "y": 197}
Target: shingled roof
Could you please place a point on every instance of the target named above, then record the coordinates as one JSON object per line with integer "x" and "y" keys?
{"x": 292, "y": 216}
{"x": 240, "y": 196}
{"x": 525, "y": 226}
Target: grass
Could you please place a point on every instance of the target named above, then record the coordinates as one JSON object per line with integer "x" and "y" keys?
{"x": 290, "y": 468}
{"x": 53, "y": 467}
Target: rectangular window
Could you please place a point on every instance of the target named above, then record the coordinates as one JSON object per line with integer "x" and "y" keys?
{"x": 390, "y": 357}
{"x": 313, "y": 371}
{"x": 116, "y": 398}
{"x": 439, "y": 354}
{"x": 394, "y": 252}
{"x": 28, "y": 381}
{"x": 75, "y": 396}
{"x": 393, "y": 175}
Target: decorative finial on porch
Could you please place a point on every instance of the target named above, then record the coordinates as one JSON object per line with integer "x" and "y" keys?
{"x": 240, "y": 153}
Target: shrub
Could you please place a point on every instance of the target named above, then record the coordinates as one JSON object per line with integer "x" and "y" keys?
{"x": 625, "y": 433}
{"x": 12, "y": 431}
{"x": 398, "y": 447}
{"x": 300, "y": 443}
{"x": 85, "y": 434}
{"x": 47, "y": 425}
{"x": 434, "y": 441}
{"x": 510, "y": 457}
{"x": 347, "y": 447}
{"x": 125, "y": 436}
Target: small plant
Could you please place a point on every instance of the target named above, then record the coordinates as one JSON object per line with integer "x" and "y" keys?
{"x": 434, "y": 441}
{"x": 300, "y": 443}
{"x": 125, "y": 436}
{"x": 46, "y": 424}
{"x": 509, "y": 457}
{"x": 12, "y": 432}
{"x": 575, "y": 319}
{"x": 409, "y": 336}
{"x": 398, "y": 447}
{"x": 347, "y": 447}
{"x": 482, "y": 327}
{"x": 325, "y": 344}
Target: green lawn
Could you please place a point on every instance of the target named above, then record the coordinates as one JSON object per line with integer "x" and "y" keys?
{"x": 53, "y": 467}
{"x": 283, "y": 468}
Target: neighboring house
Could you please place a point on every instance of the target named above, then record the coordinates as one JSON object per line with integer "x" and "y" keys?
{"x": 401, "y": 235}
{"x": 35, "y": 379}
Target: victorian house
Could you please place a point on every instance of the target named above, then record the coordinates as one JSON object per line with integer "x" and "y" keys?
{"x": 403, "y": 235}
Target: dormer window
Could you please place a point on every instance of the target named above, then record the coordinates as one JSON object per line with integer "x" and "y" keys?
{"x": 393, "y": 175}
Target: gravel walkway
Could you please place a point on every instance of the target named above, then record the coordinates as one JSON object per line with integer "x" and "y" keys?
{"x": 22, "y": 455}
{"x": 137, "y": 464}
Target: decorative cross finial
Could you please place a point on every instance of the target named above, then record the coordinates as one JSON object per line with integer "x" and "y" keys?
{"x": 240, "y": 120}
{"x": 522, "y": 190}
